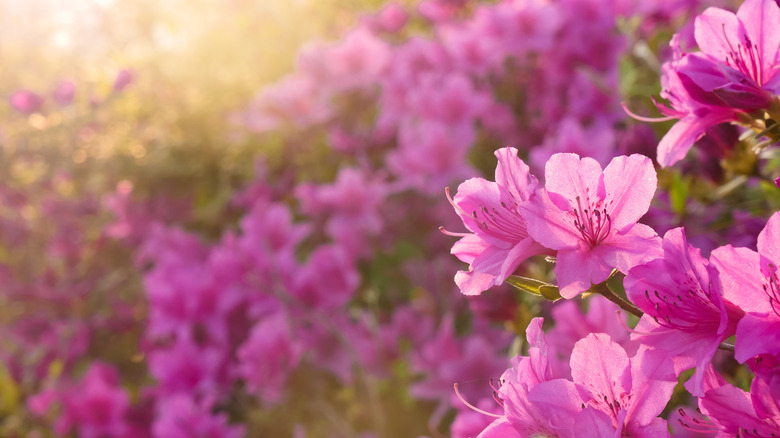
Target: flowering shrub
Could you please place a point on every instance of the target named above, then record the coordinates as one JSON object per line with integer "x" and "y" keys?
{"x": 291, "y": 278}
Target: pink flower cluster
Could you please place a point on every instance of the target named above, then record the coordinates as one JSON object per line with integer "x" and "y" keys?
{"x": 324, "y": 286}
{"x": 587, "y": 218}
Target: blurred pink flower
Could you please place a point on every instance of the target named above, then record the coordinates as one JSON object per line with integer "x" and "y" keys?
{"x": 64, "y": 92}
{"x": 124, "y": 78}
{"x": 26, "y": 102}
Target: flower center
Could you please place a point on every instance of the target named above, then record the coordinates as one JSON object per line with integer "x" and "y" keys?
{"x": 744, "y": 58}
{"x": 594, "y": 225}
{"x": 506, "y": 222}
{"x": 771, "y": 288}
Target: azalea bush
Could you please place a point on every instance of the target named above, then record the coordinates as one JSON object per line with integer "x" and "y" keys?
{"x": 446, "y": 218}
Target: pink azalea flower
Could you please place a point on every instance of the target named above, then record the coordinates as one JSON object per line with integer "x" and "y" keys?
{"x": 590, "y": 217}
{"x": 740, "y": 53}
{"x": 350, "y": 206}
{"x": 521, "y": 416}
{"x": 96, "y": 406}
{"x": 610, "y": 395}
{"x": 26, "y": 101}
{"x": 187, "y": 367}
{"x": 181, "y": 416}
{"x": 124, "y": 78}
{"x": 571, "y": 325}
{"x": 571, "y": 136}
{"x": 685, "y": 313}
{"x": 736, "y": 71}
{"x": 752, "y": 281}
{"x": 64, "y": 92}
{"x": 328, "y": 280}
{"x": 268, "y": 357}
{"x": 741, "y": 414}
{"x": 618, "y": 395}
{"x": 498, "y": 241}
{"x": 696, "y": 109}
{"x": 431, "y": 154}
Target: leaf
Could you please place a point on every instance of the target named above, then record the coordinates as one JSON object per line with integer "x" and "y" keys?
{"x": 9, "y": 391}
{"x": 534, "y": 287}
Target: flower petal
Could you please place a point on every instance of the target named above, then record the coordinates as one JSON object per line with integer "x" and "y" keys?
{"x": 568, "y": 176}
{"x": 548, "y": 224}
{"x": 757, "y": 333}
{"x": 740, "y": 275}
{"x": 513, "y": 175}
{"x": 681, "y": 137}
{"x": 577, "y": 268}
{"x": 652, "y": 384}
{"x": 630, "y": 183}
{"x": 769, "y": 239}
{"x": 717, "y": 32}
{"x": 602, "y": 366}
{"x": 761, "y": 20}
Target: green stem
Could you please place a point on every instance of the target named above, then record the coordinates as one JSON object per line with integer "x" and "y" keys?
{"x": 603, "y": 290}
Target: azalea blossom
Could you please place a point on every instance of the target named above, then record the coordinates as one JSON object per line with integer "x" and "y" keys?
{"x": 685, "y": 313}
{"x": 735, "y": 74}
{"x": 498, "y": 240}
{"x": 610, "y": 395}
{"x": 739, "y": 62}
{"x": 590, "y": 217}
{"x": 752, "y": 281}
{"x": 742, "y": 414}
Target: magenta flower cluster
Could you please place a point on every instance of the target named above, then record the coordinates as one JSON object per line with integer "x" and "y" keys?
{"x": 318, "y": 299}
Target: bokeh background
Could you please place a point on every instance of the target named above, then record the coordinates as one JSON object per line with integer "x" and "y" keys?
{"x": 221, "y": 217}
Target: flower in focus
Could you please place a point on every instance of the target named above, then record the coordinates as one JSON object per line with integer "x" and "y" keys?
{"x": 739, "y": 413}
{"x": 590, "y": 217}
{"x": 498, "y": 240}
{"x": 685, "y": 311}
{"x": 735, "y": 74}
{"x": 752, "y": 281}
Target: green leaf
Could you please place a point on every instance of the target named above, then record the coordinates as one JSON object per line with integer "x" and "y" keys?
{"x": 9, "y": 391}
{"x": 534, "y": 287}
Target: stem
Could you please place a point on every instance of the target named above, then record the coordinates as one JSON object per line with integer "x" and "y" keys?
{"x": 604, "y": 290}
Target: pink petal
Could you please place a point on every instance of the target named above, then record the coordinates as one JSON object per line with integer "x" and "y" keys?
{"x": 681, "y": 137}
{"x": 592, "y": 423}
{"x": 547, "y": 224}
{"x": 765, "y": 394}
{"x": 757, "y": 334}
{"x": 717, "y": 31}
{"x": 472, "y": 195}
{"x": 732, "y": 409}
{"x": 514, "y": 175}
{"x": 558, "y": 401}
{"x": 469, "y": 247}
{"x": 624, "y": 251}
{"x": 577, "y": 268}
{"x": 652, "y": 384}
{"x": 769, "y": 239}
{"x": 741, "y": 278}
{"x": 630, "y": 183}
{"x": 569, "y": 177}
{"x": 518, "y": 254}
{"x": 601, "y": 366}
{"x": 500, "y": 428}
{"x": 761, "y": 20}
{"x": 688, "y": 349}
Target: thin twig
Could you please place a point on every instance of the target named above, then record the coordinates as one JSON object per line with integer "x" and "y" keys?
{"x": 603, "y": 290}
